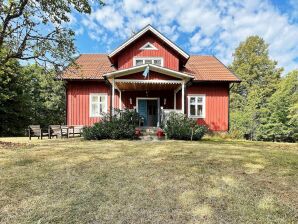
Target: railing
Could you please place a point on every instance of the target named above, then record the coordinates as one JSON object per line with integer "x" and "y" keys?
{"x": 165, "y": 114}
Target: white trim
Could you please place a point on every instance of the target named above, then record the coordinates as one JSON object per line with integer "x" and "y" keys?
{"x": 150, "y": 98}
{"x": 203, "y": 104}
{"x": 113, "y": 96}
{"x": 157, "y": 33}
{"x": 148, "y": 58}
{"x": 120, "y": 100}
{"x": 90, "y": 103}
{"x": 183, "y": 98}
{"x": 154, "y": 68}
{"x": 148, "y": 81}
{"x": 152, "y": 47}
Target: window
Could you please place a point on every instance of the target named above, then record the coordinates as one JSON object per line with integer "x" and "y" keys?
{"x": 196, "y": 106}
{"x": 148, "y": 46}
{"x": 98, "y": 104}
{"x": 142, "y": 61}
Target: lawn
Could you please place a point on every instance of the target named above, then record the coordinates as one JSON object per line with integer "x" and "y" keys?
{"x": 76, "y": 181}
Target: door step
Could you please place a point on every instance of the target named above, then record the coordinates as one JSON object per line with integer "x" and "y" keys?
{"x": 149, "y": 134}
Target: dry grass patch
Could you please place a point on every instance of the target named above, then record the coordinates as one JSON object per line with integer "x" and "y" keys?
{"x": 76, "y": 181}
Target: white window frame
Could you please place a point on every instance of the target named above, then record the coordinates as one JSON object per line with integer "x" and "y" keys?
{"x": 152, "y": 47}
{"x": 196, "y": 108}
{"x": 147, "y": 58}
{"x": 90, "y": 104}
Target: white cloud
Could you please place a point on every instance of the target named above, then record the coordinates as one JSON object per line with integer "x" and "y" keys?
{"x": 214, "y": 26}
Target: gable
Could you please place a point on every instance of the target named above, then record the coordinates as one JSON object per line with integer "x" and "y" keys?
{"x": 181, "y": 55}
{"x": 169, "y": 57}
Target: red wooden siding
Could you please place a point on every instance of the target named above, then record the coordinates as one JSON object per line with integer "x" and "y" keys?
{"x": 170, "y": 58}
{"x": 78, "y": 95}
{"x": 217, "y": 104}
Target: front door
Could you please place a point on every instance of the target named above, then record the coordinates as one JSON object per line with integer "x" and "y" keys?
{"x": 152, "y": 113}
{"x": 148, "y": 109}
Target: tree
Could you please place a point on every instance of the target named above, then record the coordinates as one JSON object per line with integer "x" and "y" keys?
{"x": 14, "y": 99}
{"x": 29, "y": 95}
{"x": 33, "y": 30}
{"x": 259, "y": 75}
{"x": 282, "y": 112}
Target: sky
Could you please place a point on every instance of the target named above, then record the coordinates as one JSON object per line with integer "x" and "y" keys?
{"x": 203, "y": 27}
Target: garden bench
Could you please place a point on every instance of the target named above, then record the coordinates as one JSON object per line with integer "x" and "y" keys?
{"x": 36, "y": 131}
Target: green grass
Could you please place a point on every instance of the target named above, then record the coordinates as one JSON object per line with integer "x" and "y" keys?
{"x": 212, "y": 181}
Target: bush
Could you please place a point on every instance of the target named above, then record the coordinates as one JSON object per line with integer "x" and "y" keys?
{"x": 179, "y": 127}
{"x": 121, "y": 126}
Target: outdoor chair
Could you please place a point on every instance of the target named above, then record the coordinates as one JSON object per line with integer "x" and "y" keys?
{"x": 36, "y": 131}
{"x": 55, "y": 130}
{"x": 75, "y": 130}
{"x": 64, "y": 131}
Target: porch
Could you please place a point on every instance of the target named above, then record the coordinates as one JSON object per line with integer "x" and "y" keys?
{"x": 153, "y": 96}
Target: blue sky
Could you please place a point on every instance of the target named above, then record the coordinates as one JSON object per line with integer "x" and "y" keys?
{"x": 199, "y": 27}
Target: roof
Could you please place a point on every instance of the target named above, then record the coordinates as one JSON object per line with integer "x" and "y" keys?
{"x": 154, "y": 31}
{"x": 89, "y": 66}
{"x": 208, "y": 68}
{"x": 202, "y": 68}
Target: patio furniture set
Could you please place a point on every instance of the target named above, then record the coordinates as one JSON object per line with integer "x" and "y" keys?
{"x": 55, "y": 131}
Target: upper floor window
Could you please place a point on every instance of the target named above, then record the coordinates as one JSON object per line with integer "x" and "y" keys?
{"x": 141, "y": 61}
{"x": 148, "y": 46}
{"x": 196, "y": 106}
{"x": 98, "y": 104}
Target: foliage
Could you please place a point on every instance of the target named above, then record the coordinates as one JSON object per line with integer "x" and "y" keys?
{"x": 179, "y": 127}
{"x": 281, "y": 123}
{"x": 29, "y": 95}
{"x": 120, "y": 126}
{"x": 259, "y": 76}
{"x": 35, "y": 30}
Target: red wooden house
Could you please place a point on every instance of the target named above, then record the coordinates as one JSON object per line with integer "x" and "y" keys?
{"x": 152, "y": 75}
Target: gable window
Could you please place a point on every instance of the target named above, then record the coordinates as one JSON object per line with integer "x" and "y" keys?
{"x": 141, "y": 61}
{"x": 196, "y": 106}
{"x": 148, "y": 46}
{"x": 98, "y": 104}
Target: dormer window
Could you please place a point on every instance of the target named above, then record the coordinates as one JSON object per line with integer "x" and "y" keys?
{"x": 148, "y": 60}
{"x": 148, "y": 46}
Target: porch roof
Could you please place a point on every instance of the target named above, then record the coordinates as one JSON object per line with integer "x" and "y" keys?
{"x": 155, "y": 68}
{"x": 143, "y": 85}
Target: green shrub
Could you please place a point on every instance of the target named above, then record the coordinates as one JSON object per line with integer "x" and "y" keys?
{"x": 179, "y": 127}
{"x": 120, "y": 126}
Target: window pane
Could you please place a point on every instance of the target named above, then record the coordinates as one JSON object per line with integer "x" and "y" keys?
{"x": 192, "y": 110}
{"x": 200, "y": 110}
{"x": 94, "y": 99}
{"x": 157, "y": 62}
{"x": 139, "y": 62}
{"x": 192, "y": 100}
{"x": 148, "y": 61}
{"x": 199, "y": 99}
{"x": 94, "y": 109}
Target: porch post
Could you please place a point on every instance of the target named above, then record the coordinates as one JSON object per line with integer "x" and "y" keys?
{"x": 113, "y": 96}
{"x": 174, "y": 99}
{"x": 183, "y": 98}
{"x": 120, "y": 101}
